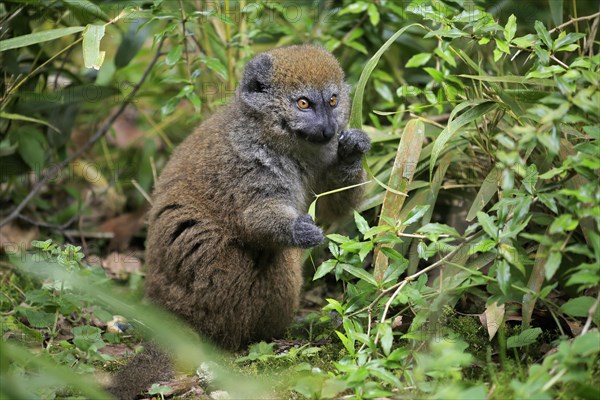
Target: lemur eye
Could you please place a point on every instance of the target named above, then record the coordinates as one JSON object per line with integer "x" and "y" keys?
{"x": 303, "y": 104}
{"x": 333, "y": 101}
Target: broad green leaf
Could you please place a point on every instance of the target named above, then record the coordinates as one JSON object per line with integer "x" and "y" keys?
{"x": 217, "y": 66}
{"x": 416, "y": 213}
{"x": 324, "y": 269}
{"x": 478, "y": 110}
{"x": 38, "y": 37}
{"x": 564, "y": 223}
{"x": 530, "y": 179}
{"x": 488, "y": 225}
{"x": 338, "y": 238}
{"x": 511, "y": 28}
{"x": 31, "y": 147}
{"x": 543, "y": 33}
{"x": 174, "y": 55}
{"x": 503, "y": 46}
{"x": 393, "y": 254}
{"x": 552, "y": 264}
{"x": 92, "y": 56}
{"x": 503, "y": 275}
{"x": 359, "y": 273}
{"x": 387, "y": 338}
{"x": 355, "y": 8}
{"x": 373, "y": 14}
{"x": 438, "y": 229}
{"x": 361, "y": 223}
{"x": 578, "y": 307}
{"x": 525, "y": 338}
{"x": 417, "y": 60}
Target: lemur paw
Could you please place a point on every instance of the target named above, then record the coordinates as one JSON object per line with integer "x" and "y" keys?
{"x": 305, "y": 233}
{"x": 353, "y": 144}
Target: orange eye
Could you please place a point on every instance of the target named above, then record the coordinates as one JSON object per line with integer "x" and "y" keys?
{"x": 333, "y": 101}
{"x": 303, "y": 104}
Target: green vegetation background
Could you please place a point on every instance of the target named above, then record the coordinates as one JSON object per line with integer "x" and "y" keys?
{"x": 471, "y": 270}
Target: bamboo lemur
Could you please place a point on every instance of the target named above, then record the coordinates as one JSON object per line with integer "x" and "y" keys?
{"x": 228, "y": 220}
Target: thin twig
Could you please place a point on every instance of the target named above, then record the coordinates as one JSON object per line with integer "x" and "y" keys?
{"x": 91, "y": 141}
{"x": 591, "y": 313}
{"x": 574, "y": 20}
{"x": 185, "y": 46}
{"x": 142, "y": 191}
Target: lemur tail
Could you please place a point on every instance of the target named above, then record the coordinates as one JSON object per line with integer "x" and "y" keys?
{"x": 148, "y": 367}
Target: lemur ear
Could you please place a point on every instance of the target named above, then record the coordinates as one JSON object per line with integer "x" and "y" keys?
{"x": 257, "y": 81}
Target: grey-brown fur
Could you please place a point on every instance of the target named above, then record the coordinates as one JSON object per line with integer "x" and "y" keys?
{"x": 229, "y": 219}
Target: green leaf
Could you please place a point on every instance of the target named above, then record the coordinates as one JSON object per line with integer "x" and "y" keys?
{"x": 132, "y": 42}
{"x": 556, "y": 10}
{"x": 92, "y": 56}
{"x": 438, "y": 229}
{"x": 578, "y": 307}
{"x": 552, "y": 264}
{"x": 525, "y": 338}
{"x": 356, "y": 113}
{"x": 543, "y": 33}
{"x": 355, "y": 8}
{"x": 361, "y": 223}
{"x": 387, "y": 338}
{"x": 31, "y": 148}
{"x": 373, "y": 14}
{"x": 414, "y": 214}
{"x": 324, "y": 269}
{"x": 418, "y": 59}
{"x": 393, "y": 254}
{"x": 38, "y": 37}
{"x": 488, "y": 189}
{"x": 478, "y": 110}
{"x": 86, "y": 10}
{"x": 359, "y": 273}
{"x": 531, "y": 178}
{"x": 503, "y": 275}
{"x": 564, "y": 223}
{"x": 217, "y": 66}
{"x": 488, "y": 225}
{"x": 19, "y": 117}
{"x": 174, "y": 55}
{"x": 503, "y": 46}
{"x": 511, "y": 28}
{"x": 338, "y": 238}
{"x": 37, "y": 318}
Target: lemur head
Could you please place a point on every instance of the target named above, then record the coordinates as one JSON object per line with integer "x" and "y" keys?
{"x": 299, "y": 89}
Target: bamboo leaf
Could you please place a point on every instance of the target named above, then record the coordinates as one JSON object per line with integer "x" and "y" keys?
{"x": 470, "y": 115}
{"x": 92, "y": 56}
{"x": 488, "y": 188}
{"x": 86, "y": 10}
{"x": 19, "y": 117}
{"x": 38, "y": 37}
{"x": 356, "y": 113}
{"x": 556, "y": 10}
